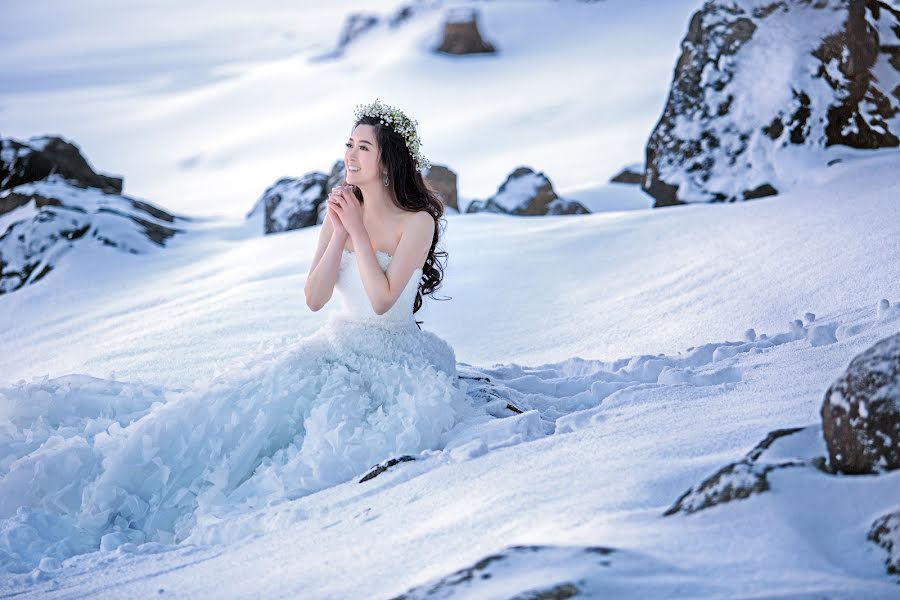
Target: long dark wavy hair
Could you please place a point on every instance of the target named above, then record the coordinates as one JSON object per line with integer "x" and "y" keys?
{"x": 413, "y": 193}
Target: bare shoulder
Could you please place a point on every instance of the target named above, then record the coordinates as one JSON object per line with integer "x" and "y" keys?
{"x": 420, "y": 222}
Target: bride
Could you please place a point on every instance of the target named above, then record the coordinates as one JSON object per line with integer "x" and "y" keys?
{"x": 367, "y": 386}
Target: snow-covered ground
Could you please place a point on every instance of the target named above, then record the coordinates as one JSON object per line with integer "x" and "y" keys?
{"x": 659, "y": 300}
{"x": 625, "y": 335}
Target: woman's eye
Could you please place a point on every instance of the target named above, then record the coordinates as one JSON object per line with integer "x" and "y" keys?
{"x": 347, "y": 144}
{"x": 362, "y": 147}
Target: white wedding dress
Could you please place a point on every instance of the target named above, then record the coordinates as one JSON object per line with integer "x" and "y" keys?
{"x": 361, "y": 389}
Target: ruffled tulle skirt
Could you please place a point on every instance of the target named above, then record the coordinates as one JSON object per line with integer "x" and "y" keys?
{"x": 114, "y": 462}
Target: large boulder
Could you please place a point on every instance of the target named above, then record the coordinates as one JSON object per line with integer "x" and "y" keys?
{"x": 631, "y": 174}
{"x": 526, "y": 192}
{"x": 461, "y": 34}
{"x": 762, "y": 88}
{"x": 443, "y": 181}
{"x": 885, "y": 532}
{"x": 296, "y": 202}
{"x": 55, "y": 217}
{"x": 52, "y": 202}
{"x": 39, "y": 156}
{"x": 291, "y": 202}
{"x": 791, "y": 448}
{"x": 861, "y": 412}
{"x": 357, "y": 24}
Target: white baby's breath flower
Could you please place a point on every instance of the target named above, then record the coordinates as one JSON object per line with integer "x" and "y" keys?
{"x": 395, "y": 118}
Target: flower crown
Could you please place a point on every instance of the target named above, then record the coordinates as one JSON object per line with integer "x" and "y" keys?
{"x": 402, "y": 124}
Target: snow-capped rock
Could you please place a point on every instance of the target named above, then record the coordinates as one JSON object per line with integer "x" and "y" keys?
{"x": 778, "y": 450}
{"x": 885, "y": 532}
{"x": 861, "y": 412}
{"x": 461, "y": 34}
{"x": 527, "y": 193}
{"x": 295, "y": 202}
{"x": 443, "y": 181}
{"x": 762, "y": 88}
{"x": 39, "y": 156}
{"x": 291, "y": 202}
{"x": 53, "y": 201}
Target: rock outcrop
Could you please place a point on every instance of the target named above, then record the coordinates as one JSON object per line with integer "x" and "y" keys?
{"x": 296, "y": 202}
{"x": 52, "y": 202}
{"x": 443, "y": 181}
{"x": 885, "y": 532}
{"x": 358, "y": 24}
{"x": 762, "y": 88}
{"x": 861, "y": 412}
{"x": 526, "y": 192}
{"x": 40, "y": 156}
{"x": 748, "y": 476}
{"x": 461, "y": 34}
{"x": 291, "y": 202}
{"x": 566, "y": 572}
{"x": 632, "y": 174}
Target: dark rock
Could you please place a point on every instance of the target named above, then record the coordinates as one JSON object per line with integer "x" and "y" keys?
{"x": 355, "y": 25}
{"x": 38, "y": 157}
{"x": 384, "y": 466}
{"x": 860, "y": 119}
{"x": 885, "y": 532}
{"x": 760, "y": 192}
{"x": 576, "y": 566}
{"x": 461, "y": 34}
{"x": 527, "y": 193}
{"x": 746, "y": 477}
{"x": 708, "y": 143}
{"x": 861, "y": 412}
{"x": 443, "y": 181}
{"x": 292, "y": 203}
{"x": 405, "y": 12}
{"x": 64, "y": 214}
{"x": 483, "y": 392}
{"x": 630, "y": 175}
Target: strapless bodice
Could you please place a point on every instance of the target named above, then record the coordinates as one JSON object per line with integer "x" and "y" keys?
{"x": 355, "y": 303}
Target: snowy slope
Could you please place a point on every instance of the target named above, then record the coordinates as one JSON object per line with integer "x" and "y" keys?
{"x": 626, "y": 437}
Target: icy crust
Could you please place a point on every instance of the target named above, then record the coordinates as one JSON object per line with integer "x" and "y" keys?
{"x": 152, "y": 466}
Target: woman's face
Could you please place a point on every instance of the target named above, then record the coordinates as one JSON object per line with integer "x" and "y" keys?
{"x": 361, "y": 156}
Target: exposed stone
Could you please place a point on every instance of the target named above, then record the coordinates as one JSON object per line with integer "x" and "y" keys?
{"x": 36, "y": 158}
{"x": 461, "y": 34}
{"x": 716, "y": 142}
{"x": 384, "y": 466}
{"x": 744, "y": 478}
{"x": 503, "y": 570}
{"x": 57, "y": 216}
{"x": 631, "y": 174}
{"x": 526, "y": 192}
{"x": 443, "y": 181}
{"x": 885, "y": 532}
{"x": 861, "y": 412}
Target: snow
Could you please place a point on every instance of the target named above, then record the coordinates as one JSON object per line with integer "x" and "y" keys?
{"x": 647, "y": 349}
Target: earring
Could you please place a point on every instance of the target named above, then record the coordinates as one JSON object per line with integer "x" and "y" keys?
{"x": 386, "y": 180}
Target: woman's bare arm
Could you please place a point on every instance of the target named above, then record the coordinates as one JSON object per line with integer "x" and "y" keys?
{"x": 384, "y": 287}
{"x": 323, "y": 271}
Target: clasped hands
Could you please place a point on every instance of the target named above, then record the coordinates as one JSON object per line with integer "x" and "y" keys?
{"x": 345, "y": 210}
